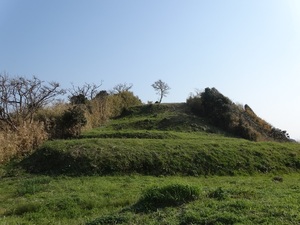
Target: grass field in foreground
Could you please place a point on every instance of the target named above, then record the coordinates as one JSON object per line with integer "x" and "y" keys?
{"x": 259, "y": 199}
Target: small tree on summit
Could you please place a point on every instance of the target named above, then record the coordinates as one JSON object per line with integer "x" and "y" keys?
{"x": 161, "y": 88}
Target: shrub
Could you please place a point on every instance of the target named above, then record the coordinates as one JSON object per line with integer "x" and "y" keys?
{"x": 85, "y": 113}
{"x": 213, "y": 105}
{"x": 119, "y": 102}
{"x": 51, "y": 117}
{"x": 194, "y": 103}
{"x": 233, "y": 118}
{"x": 78, "y": 99}
{"x": 72, "y": 122}
{"x": 170, "y": 195}
{"x": 63, "y": 120}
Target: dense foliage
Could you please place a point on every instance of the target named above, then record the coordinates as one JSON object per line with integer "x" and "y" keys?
{"x": 243, "y": 122}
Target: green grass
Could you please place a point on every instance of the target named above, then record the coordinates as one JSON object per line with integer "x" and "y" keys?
{"x": 155, "y": 198}
{"x": 255, "y": 199}
{"x": 159, "y": 164}
{"x": 187, "y": 154}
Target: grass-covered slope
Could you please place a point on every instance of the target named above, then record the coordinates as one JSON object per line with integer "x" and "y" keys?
{"x": 162, "y": 140}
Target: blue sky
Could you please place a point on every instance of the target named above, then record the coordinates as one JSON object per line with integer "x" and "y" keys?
{"x": 249, "y": 50}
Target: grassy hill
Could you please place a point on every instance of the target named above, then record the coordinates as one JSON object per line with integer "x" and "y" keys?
{"x": 162, "y": 139}
{"x": 137, "y": 152}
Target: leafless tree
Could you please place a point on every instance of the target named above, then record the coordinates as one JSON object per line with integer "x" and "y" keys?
{"x": 20, "y": 98}
{"x": 119, "y": 88}
{"x": 161, "y": 88}
{"x": 88, "y": 91}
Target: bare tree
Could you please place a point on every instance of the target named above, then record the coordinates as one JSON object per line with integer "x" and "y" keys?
{"x": 161, "y": 88}
{"x": 85, "y": 92}
{"x": 20, "y": 98}
{"x": 119, "y": 88}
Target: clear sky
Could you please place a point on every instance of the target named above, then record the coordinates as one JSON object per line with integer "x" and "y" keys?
{"x": 248, "y": 49}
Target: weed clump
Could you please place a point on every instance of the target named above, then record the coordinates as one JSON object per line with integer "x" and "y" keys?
{"x": 167, "y": 196}
{"x": 219, "y": 194}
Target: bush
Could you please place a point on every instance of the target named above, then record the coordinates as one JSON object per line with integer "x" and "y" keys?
{"x": 68, "y": 120}
{"x": 78, "y": 99}
{"x": 119, "y": 102}
{"x": 72, "y": 122}
{"x": 63, "y": 120}
{"x": 233, "y": 118}
{"x": 213, "y": 105}
{"x": 195, "y": 102}
{"x": 170, "y": 195}
{"x": 51, "y": 117}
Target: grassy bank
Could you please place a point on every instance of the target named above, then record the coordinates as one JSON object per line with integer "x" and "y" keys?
{"x": 163, "y": 153}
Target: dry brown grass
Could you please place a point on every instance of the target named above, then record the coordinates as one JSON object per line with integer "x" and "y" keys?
{"x": 96, "y": 113}
{"x": 16, "y": 144}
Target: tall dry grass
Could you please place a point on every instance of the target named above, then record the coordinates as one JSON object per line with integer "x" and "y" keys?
{"x": 50, "y": 117}
{"x": 97, "y": 112}
{"x": 23, "y": 141}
